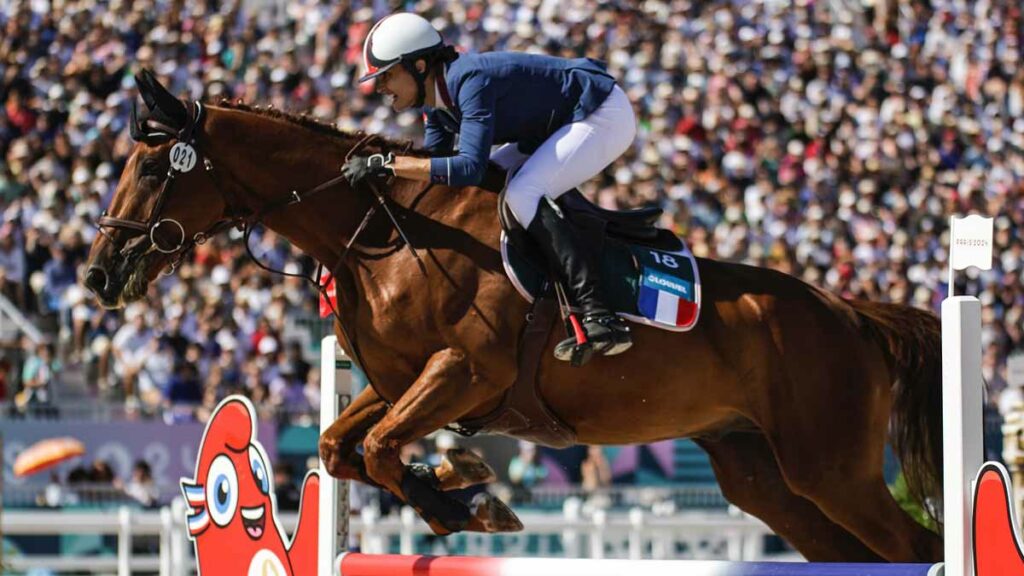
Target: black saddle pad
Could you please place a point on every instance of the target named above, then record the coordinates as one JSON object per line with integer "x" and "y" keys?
{"x": 654, "y": 282}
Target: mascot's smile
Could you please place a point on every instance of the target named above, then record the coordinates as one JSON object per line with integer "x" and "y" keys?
{"x": 254, "y": 519}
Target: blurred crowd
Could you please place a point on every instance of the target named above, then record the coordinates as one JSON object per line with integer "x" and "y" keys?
{"x": 96, "y": 483}
{"x": 830, "y": 139}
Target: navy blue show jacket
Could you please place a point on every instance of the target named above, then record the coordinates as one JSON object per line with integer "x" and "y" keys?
{"x": 500, "y": 97}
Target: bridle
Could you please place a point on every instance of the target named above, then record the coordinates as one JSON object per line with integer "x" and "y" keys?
{"x": 183, "y": 158}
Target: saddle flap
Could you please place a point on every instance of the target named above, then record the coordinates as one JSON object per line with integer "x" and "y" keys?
{"x": 523, "y": 412}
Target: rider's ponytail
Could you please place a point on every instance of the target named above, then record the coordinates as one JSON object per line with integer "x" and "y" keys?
{"x": 445, "y": 55}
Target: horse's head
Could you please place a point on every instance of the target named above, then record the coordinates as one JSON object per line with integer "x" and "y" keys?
{"x": 166, "y": 200}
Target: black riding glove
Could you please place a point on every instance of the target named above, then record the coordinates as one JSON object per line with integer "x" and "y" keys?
{"x": 359, "y": 168}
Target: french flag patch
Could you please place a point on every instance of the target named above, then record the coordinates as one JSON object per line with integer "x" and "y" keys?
{"x": 667, "y": 299}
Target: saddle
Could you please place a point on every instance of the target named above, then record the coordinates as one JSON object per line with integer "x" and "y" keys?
{"x": 648, "y": 276}
{"x": 636, "y": 225}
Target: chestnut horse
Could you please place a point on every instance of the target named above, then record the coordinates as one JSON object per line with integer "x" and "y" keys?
{"x": 789, "y": 389}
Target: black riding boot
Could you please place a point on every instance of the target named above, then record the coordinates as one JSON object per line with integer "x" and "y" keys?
{"x": 603, "y": 331}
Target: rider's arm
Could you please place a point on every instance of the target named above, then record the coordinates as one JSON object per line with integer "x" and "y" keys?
{"x": 476, "y": 134}
{"x": 412, "y": 168}
{"x": 436, "y": 139}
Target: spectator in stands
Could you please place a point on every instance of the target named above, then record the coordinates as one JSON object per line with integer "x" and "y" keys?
{"x": 59, "y": 272}
{"x": 595, "y": 471}
{"x": 184, "y": 386}
{"x": 525, "y": 471}
{"x": 596, "y": 478}
{"x": 287, "y": 391}
{"x": 311, "y": 389}
{"x": 54, "y": 494}
{"x": 12, "y": 261}
{"x": 299, "y": 367}
{"x": 38, "y": 380}
{"x": 130, "y": 346}
{"x": 141, "y": 487}
{"x": 158, "y": 370}
{"x": 95, "y": 483}
{"x": 288, "y": 495}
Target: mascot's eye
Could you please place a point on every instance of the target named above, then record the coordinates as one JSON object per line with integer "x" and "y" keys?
{"x": 222, "y": 490}
{"x": 260, "y": 473}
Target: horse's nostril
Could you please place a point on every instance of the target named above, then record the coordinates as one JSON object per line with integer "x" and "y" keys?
{"x": 96, "y": 279}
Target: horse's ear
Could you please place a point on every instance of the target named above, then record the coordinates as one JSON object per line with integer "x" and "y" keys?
{"x": 134, "y": 127}
{"x": 165, "y": 108}
{"x": 143, "y": 81}
{"x": 138, "y": 126}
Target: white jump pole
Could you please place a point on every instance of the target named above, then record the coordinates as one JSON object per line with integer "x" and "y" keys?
{"x": 962, "y": 388}
{"x": 335, "y": 395}
{"x": 962, "y": 438}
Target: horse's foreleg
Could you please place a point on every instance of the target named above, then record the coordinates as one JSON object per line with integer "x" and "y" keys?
{"x": 446, "y": 390}
{"x": 459, "y": 469}
{"x": 339, "y": 442}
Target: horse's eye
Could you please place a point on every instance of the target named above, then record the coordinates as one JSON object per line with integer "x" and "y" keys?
{"x": 150, "y": 168}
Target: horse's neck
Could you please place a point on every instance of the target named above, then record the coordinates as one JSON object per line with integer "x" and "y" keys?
{"x": 271, "y": 158}
{"x": 276, "y": 158}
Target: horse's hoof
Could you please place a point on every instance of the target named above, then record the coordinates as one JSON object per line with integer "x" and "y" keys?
{"x": 462, "y": 468}
{"x": 492, "y": 515}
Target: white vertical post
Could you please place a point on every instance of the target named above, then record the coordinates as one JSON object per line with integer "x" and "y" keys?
{"x": 572, "y": 509}
{"x": 636, "y": 533}
{"x": 753, "y": 544}
{"x": 962, "y": 437}
{"x": 166, "y": 534}
{"x": 406, "y": 538}
{"x": 124, "y": 541}
{"x": 181, "y": 547}
{"x": 373, "y": 540}
{"x": 600, "y": 520}
{"x": 335, "y": 395}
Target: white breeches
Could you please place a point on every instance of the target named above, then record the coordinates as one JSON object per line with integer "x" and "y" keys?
{"x": 572, "y": 155}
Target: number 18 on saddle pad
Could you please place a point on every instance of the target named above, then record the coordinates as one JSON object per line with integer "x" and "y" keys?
{"x": 668, "y": 292}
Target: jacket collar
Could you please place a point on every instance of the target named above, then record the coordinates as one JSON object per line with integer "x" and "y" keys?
{"x": 444, "y": 99}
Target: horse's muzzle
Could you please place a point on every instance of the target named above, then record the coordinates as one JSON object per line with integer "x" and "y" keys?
{"x": 97, "y": 280}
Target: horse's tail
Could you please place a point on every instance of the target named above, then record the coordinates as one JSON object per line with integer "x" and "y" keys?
{"x": 913, "y": 341}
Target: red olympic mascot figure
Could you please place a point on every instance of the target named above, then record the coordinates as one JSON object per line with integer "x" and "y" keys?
{"x": 232, "y": 518}
{"x": 997, "y": 547}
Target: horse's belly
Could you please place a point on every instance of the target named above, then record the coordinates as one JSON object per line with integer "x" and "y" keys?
{"x": 668, "y": 385}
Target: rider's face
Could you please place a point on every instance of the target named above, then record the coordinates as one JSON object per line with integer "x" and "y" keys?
{"x": 399, "y": 86}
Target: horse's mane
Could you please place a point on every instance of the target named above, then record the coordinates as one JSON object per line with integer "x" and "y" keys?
{"x": 319, "y": 126}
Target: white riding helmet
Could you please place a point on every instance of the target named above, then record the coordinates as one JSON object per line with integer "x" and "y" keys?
{"x": 396, "y": 38}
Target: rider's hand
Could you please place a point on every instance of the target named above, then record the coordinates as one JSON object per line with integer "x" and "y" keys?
{"x": 359, "y": 168}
